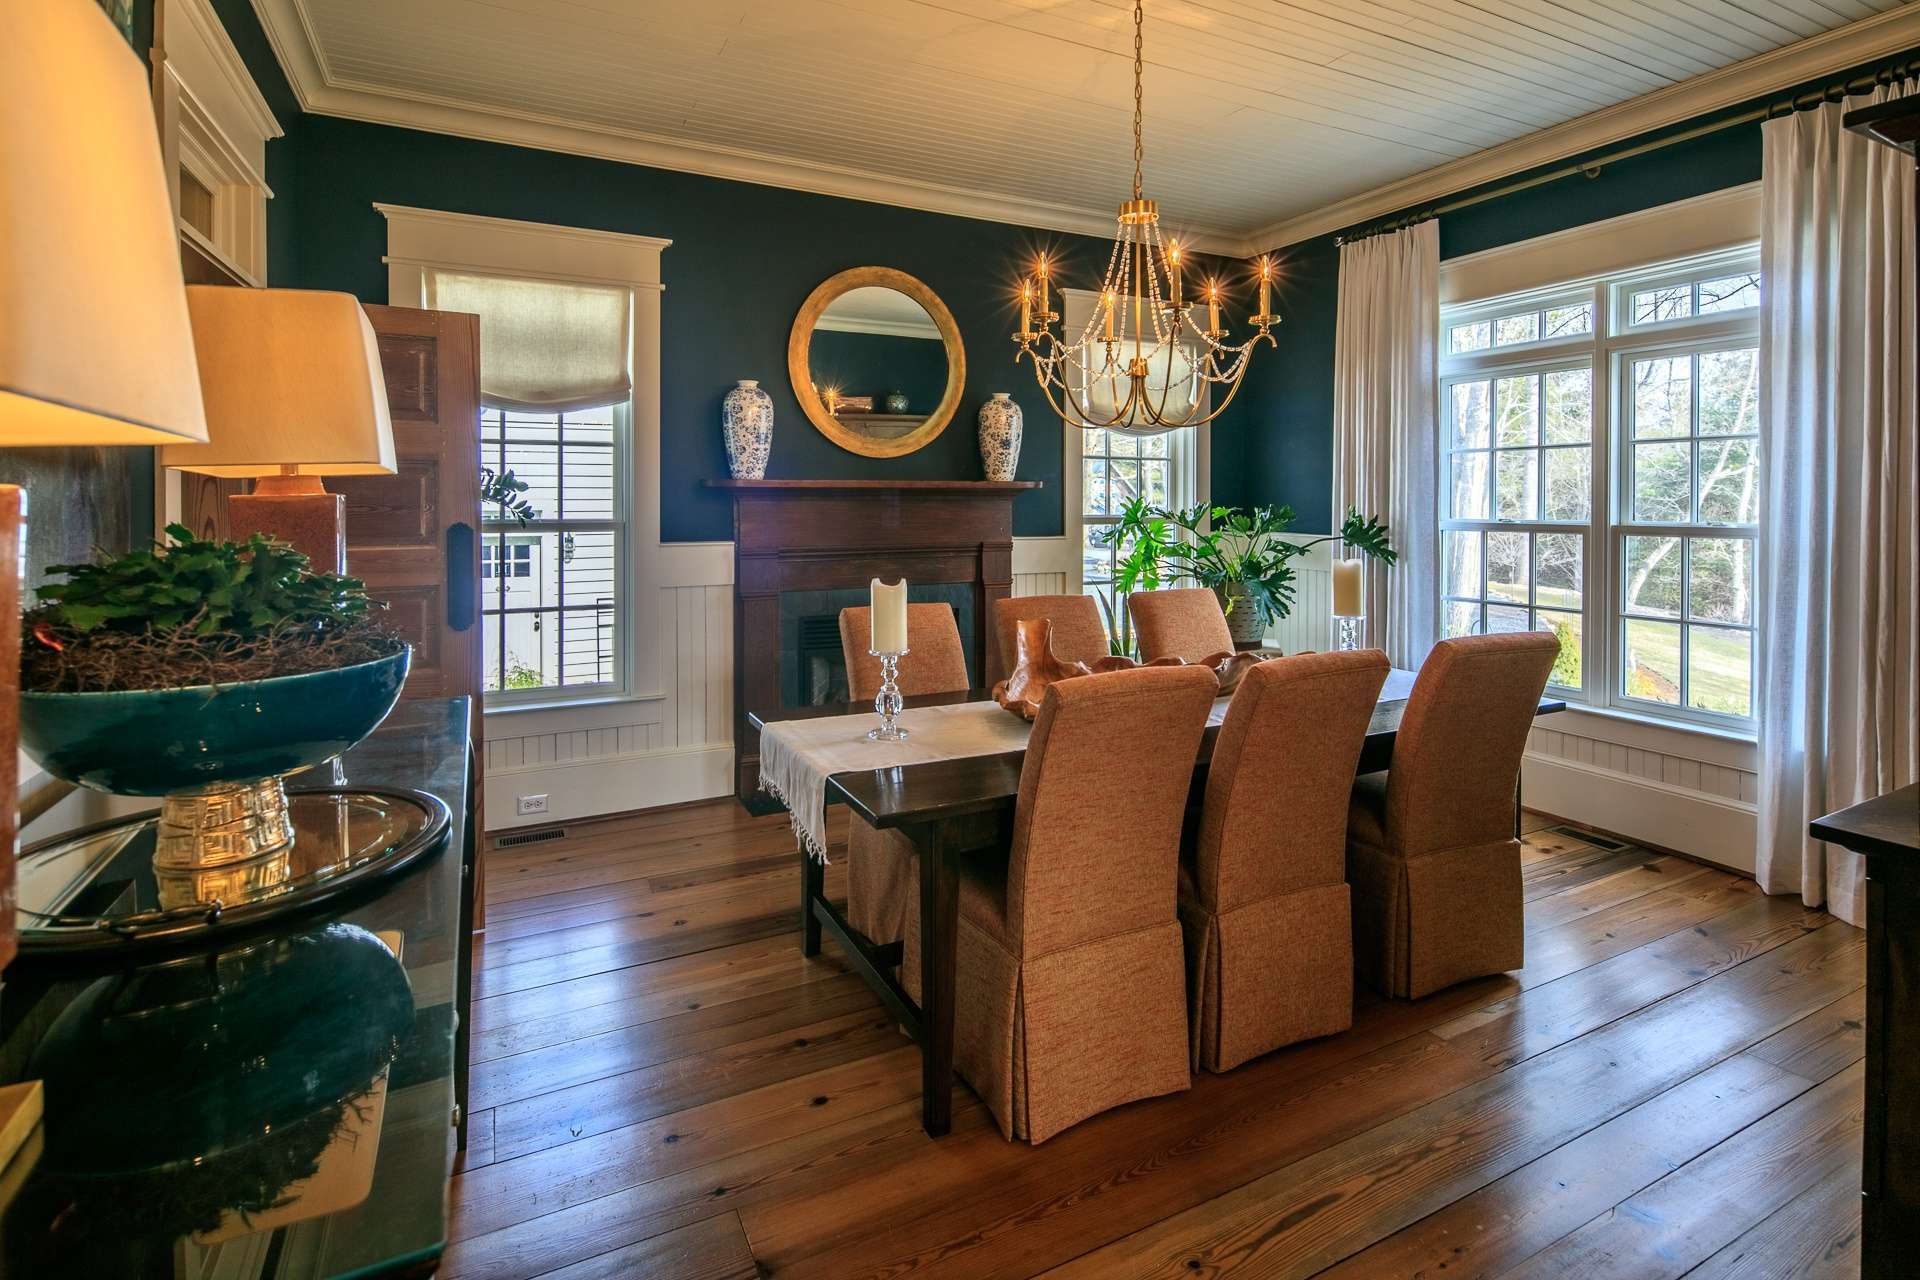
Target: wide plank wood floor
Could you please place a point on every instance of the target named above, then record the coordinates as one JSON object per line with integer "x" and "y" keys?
{"x": 663, "y": 1087}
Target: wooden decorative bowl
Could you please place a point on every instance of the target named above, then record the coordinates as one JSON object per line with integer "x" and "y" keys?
{"x": 1035, "y": 667}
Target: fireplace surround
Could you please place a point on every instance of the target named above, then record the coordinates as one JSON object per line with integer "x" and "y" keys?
{"x": 797, "y": 544}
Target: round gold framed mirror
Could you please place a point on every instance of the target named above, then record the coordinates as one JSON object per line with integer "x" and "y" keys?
{"x": 876, "y": 362}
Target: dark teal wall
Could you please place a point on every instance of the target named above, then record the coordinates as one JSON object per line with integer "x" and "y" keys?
{"x": 1287, "y": 443}
{"x": 743, "y": 260}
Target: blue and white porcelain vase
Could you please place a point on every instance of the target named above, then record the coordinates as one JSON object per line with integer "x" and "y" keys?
{"x": 746, "y": 423}
{"x": 897, "y": 402}
{"x": 1000, "y": 427}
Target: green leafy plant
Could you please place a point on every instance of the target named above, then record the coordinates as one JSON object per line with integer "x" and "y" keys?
{"x": 503, "y": 488}
{"x": 1119, "y": 630}
{"x": 236, "y": 589}
{"x": 192, "y": 611}
{"x": 1241, "y": 553}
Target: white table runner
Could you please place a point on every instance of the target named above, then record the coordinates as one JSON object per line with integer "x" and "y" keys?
{"x": 798, "y": 756}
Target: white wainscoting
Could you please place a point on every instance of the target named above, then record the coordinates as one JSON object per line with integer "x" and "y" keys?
{"x": 676, "y": 743}
{"x": 1689, "y": 792}
{"x": 1308, "y": 626}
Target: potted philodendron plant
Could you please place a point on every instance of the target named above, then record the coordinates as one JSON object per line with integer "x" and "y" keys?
{"x": 1243, "y": 555}
{"x": 204, "y": 672}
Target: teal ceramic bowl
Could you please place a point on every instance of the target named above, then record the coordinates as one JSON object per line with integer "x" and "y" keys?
{"x": 156, "y": 742}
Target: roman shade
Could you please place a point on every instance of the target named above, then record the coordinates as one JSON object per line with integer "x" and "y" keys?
{"x": 545, "y": 346}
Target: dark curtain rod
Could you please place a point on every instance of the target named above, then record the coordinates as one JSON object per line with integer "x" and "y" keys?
{"x": 1591, "y": 168}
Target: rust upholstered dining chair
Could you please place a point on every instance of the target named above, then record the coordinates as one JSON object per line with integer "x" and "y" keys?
{"x": 1070, "y": 994}
{"x": 1078, "y": 633}
{"x": 1183, "y": 623}
{"x": 882, "y": 880}
{"x": 1431, "y": 854}
{"x": 1263, "y": 889}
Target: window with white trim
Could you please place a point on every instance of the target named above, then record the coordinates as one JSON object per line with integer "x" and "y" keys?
{"x": 1600, "y": 479}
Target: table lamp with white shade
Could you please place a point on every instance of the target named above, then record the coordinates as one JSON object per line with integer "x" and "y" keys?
{"x": 95, "y": 346}
{"x": 294, "y": 391}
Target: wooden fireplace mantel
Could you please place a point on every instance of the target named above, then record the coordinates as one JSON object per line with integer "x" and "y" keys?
{"x": 829, "y": 535}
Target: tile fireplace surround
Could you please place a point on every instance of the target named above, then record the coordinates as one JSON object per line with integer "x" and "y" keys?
{"x": 792, "y": 536}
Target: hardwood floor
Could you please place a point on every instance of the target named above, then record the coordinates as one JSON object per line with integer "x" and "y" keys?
{"x": 663, "y": 1087}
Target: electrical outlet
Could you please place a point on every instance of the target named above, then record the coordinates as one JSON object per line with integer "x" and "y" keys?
{"x": 530, "y": 804}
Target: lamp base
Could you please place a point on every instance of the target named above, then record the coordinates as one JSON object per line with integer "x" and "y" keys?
{"x": 222, "y": 827}
{"x": 299, "y": 511}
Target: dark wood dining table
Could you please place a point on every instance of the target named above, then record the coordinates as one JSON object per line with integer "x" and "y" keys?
{"x": 952, "y": 809}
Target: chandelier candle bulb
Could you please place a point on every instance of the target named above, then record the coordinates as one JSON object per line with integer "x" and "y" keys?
{"x": 1110, "y": 302}
{"x": 1213, "y": 308}
{"x": 888, "y": 605}
{"x": 1026, "y": 308}
{"x": 1173, "y": 269}
{"x": 1346, "y": 589}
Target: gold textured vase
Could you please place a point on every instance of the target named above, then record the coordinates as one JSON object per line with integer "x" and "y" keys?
{"x": 222, "y": 825}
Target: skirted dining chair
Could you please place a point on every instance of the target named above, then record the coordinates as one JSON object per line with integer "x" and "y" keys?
{"x": 882, "y": 879}
{"x": 1431, "y": 852}
{"x": 1078, "y": 633}
{"x": 1070, "y": 995}
{"x": 1183, "y": 623}
{"x": 1263, "y": 889}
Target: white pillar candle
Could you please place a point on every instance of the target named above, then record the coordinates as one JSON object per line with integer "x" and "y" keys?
{"x": 1346, "y": 589}
{"x": 888, "y": 609}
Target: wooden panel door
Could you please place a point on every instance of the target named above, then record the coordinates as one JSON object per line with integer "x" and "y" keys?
{"x": 414, "y": 536}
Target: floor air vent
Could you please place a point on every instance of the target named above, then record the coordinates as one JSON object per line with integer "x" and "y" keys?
{"x": 1589, "y": 837}
{"x": 529, "y": 837}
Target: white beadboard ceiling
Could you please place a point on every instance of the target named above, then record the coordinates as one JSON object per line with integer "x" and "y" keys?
{"x": 1259, "y": 112}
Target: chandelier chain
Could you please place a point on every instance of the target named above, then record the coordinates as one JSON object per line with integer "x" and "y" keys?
{"x": 1139, "y": 65}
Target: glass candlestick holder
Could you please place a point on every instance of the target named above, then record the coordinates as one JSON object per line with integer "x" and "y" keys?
{"x": 1346, "y": 635}
{"x": 887, "y": 703}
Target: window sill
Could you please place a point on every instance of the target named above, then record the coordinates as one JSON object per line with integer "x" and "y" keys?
{"x": 531, "y": 706}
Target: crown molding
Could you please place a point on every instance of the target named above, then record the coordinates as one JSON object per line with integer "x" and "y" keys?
{"x": 224, "y": 57}
{"x": 879, "y": 328}
{"x": 1850, "y": 46}
{"x": 289, "y": 31}
{"x": 291, "y": 35}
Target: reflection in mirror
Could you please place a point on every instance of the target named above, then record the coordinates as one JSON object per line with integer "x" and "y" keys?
{"x": 877, "y": 362}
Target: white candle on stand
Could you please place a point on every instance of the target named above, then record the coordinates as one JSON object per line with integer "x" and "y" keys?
{"x": 1346, "y": 589}
{"x": 888, "y": 608}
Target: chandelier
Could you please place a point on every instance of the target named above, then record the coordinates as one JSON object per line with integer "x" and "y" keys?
{"x": 1142, "y": 362}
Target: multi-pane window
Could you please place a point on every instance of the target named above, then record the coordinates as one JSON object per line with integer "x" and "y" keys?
{"x": 1600, "y": 479}
{"x": 550, "y": 587}
{"x": 1115, "y": 469}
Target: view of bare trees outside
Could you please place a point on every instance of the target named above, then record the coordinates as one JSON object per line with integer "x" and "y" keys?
{"x": 1520, "y": 437}
{"x": 1522, "y": 452}
{"x": 1695, "y": 460}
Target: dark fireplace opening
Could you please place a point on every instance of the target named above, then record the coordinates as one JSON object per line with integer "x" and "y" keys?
{"x": 813, "y": 668}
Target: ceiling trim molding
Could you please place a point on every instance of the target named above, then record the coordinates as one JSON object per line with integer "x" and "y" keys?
{"x": 1885, "y": 34}
{"x": 290, "y": 34}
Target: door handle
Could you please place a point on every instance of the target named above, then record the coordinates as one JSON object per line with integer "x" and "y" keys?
{"x": 463, "y": 577}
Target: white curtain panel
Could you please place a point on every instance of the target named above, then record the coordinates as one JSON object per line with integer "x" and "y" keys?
{"x": 1840, "y": 653}
{"x": 1385, "y": 451}
{"x": 545, "y": 346}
